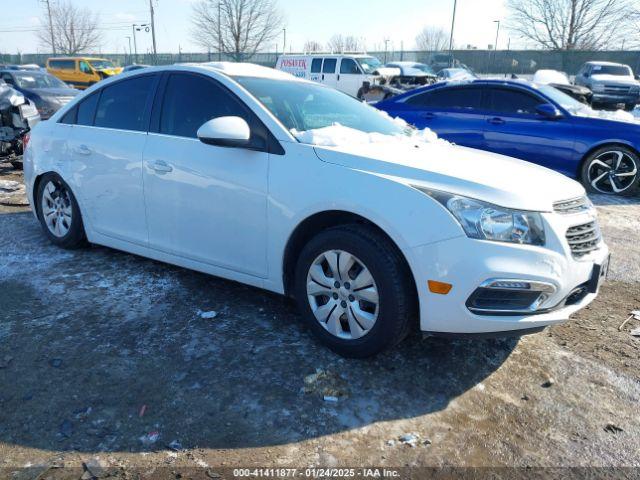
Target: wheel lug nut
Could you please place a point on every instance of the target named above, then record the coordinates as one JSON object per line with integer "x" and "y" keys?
{"x": 344, "y": 304}
{"x": 335, "y": 296}
{"x": 352, "y": 298}
{"x": 337, "y": 284}
{"x": 347, "y": 285}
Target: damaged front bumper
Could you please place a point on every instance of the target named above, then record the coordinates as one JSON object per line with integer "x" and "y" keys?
{"x": 18, "y": 115}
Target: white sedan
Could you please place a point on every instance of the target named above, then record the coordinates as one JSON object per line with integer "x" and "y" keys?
{"x": 253, "y": 175}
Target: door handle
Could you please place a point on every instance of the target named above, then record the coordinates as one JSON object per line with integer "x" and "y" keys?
{"x": 496, "y": 121}
{"x": 160, "y": 166}
{"x": 82, "y": 150}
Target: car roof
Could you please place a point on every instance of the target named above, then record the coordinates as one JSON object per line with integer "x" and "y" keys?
{"x": 233, "y": 69}
{"x": 609, "y": 64}
{"x": 78, "y": 58}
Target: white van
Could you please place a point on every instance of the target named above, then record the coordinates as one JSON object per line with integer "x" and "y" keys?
{"x": 346, "y": 72}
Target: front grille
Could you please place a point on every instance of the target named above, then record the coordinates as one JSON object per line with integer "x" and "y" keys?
{"x": 584, "y": 239}
{"x": 574, "y": 205}
{"x": 617, "y": 89}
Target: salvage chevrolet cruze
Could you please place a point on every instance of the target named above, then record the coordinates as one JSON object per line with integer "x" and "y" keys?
{"x": 253, "y": 175}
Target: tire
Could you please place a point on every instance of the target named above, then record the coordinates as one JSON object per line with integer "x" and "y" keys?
{"x": 59, "y": 213}
{"x": 603, "y": 173}
{"x": 17, "y": 165}
{"x": 629, "y": 107}
{"x": 391, "y": 282}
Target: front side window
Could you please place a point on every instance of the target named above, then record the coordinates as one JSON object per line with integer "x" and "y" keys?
{"x": 316, "y": 65}
{"x": 192, "y": 100}
{"x": 514, "y": 102}
{"x": 84, "y": 67}
{"x": 122, "y": 105}
{"x": 349, "y": 67}
{"x": 329, "y": 65}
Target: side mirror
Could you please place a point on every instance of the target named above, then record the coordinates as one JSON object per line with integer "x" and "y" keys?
{"x": 548, "y": 111}
{"x": 231, "y": 132}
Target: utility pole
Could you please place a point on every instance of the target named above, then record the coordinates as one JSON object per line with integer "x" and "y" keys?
{"x": 153, "y": 32}
{"x": 453, "y": 24}
{"x": 53, "y": 43}
{"x": 219, "y": 33}
{"x": 284, "y": 41}
{"x": 386, "y": 43}
{"x": 135, "y": 43}
{"x": 130, "y": 52}
{"x": 495, "y": 45}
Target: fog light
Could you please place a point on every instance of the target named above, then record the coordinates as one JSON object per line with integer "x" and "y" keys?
{"x": 510, "y": 297}
{"x": 440, "y": 288}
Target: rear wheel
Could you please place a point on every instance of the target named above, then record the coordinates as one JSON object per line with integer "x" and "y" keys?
{"x": 629, "y": 106}
{"x": 59, "y": 213}
{"x": 611, "y": 170}
{"x": 354, "y": 291}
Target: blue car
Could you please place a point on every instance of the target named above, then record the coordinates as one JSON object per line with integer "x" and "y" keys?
{"x": 537, "y": 123}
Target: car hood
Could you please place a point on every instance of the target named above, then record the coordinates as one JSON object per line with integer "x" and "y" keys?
{"x": 572, "y": 88}
{"x": 617, "y": 79}
{"x": 493, "y": 178}
{"x": 54, "y": 92}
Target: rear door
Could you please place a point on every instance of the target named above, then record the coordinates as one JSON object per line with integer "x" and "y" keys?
{"x": 329, "y": 72}
{"x": 454, "y": 113}
{"x": 349, "y": 79}
{"x": 106, "y": 145}
{"x": 514, "y": 128}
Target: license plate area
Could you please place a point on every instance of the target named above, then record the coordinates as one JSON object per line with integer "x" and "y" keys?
{"x": 599, "y": 275}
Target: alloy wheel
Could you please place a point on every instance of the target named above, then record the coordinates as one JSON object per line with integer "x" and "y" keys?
{"x": 56, "y": 208}
{"x": 613, "y": 171}
{"x": 343, "y": 294}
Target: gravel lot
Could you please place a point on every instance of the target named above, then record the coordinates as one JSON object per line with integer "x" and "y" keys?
{"x": 107, "y": 360}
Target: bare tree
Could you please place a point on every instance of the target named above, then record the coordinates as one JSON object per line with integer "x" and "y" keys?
{"x": 311, "y": 46}
{"x": 339, "y": 43}
{"x": 432, "y": 39}
{"x": 75, "y": 29}
{"x": 571, "y": 24}
{"x": 238, "y": 28}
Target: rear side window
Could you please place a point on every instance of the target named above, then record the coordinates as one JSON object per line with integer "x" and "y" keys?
{"x": 462, "y": 98}
{"x": 316, "y": 65}
{"x": 349, "y": 66}
{"x": 191, "y": 100}
{"x": 122, "y": 105}
{"x": 63, "y": 64}
{"x": 515, "y": 102}
{"x": 329, "y": 65}
{"x": 87, "y": 109}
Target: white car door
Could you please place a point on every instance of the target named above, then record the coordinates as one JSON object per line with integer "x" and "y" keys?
{"x": 106, "y": 145}
{"x": 329, "y": 72}
{"x": 350, "y": 77}
{"x": 205, "y": 203}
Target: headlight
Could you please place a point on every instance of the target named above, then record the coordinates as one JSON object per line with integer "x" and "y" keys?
{"x": 485, "y": 221}
{"x": 598, "y": 87}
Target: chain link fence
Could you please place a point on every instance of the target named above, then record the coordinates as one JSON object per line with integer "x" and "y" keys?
{"x": 501, "y": 62}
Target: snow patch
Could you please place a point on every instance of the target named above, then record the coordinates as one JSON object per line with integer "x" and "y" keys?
{"x": 336, "y": 135}
{"x": 618, "y": 115}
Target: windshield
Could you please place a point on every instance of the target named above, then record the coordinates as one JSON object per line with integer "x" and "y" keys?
{"x": 369, "y": 64}
{"x": 562, "y": 99}
{"x": 305, "y": 106}
{"x": 31, "y": 80}
{"x": 99, "y": 64}
{"x": 619, "y": 70}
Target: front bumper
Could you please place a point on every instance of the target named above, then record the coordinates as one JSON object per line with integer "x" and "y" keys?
{"x": 610, "y": 99}
{"x": 467, "y": 263}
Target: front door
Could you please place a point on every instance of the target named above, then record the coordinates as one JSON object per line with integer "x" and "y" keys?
{"x": 514, "y": 128}
{"x": 350, "y": 77}
{"x": 205, "y": 203}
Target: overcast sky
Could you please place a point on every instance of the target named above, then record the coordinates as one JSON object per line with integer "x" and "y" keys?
{"x": 373, "y": 20}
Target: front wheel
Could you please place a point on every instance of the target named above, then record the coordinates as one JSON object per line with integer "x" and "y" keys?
{"x": 611, "y": 170}
{"x": 59, "y": 213}
{"x": 354, "y": 290}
